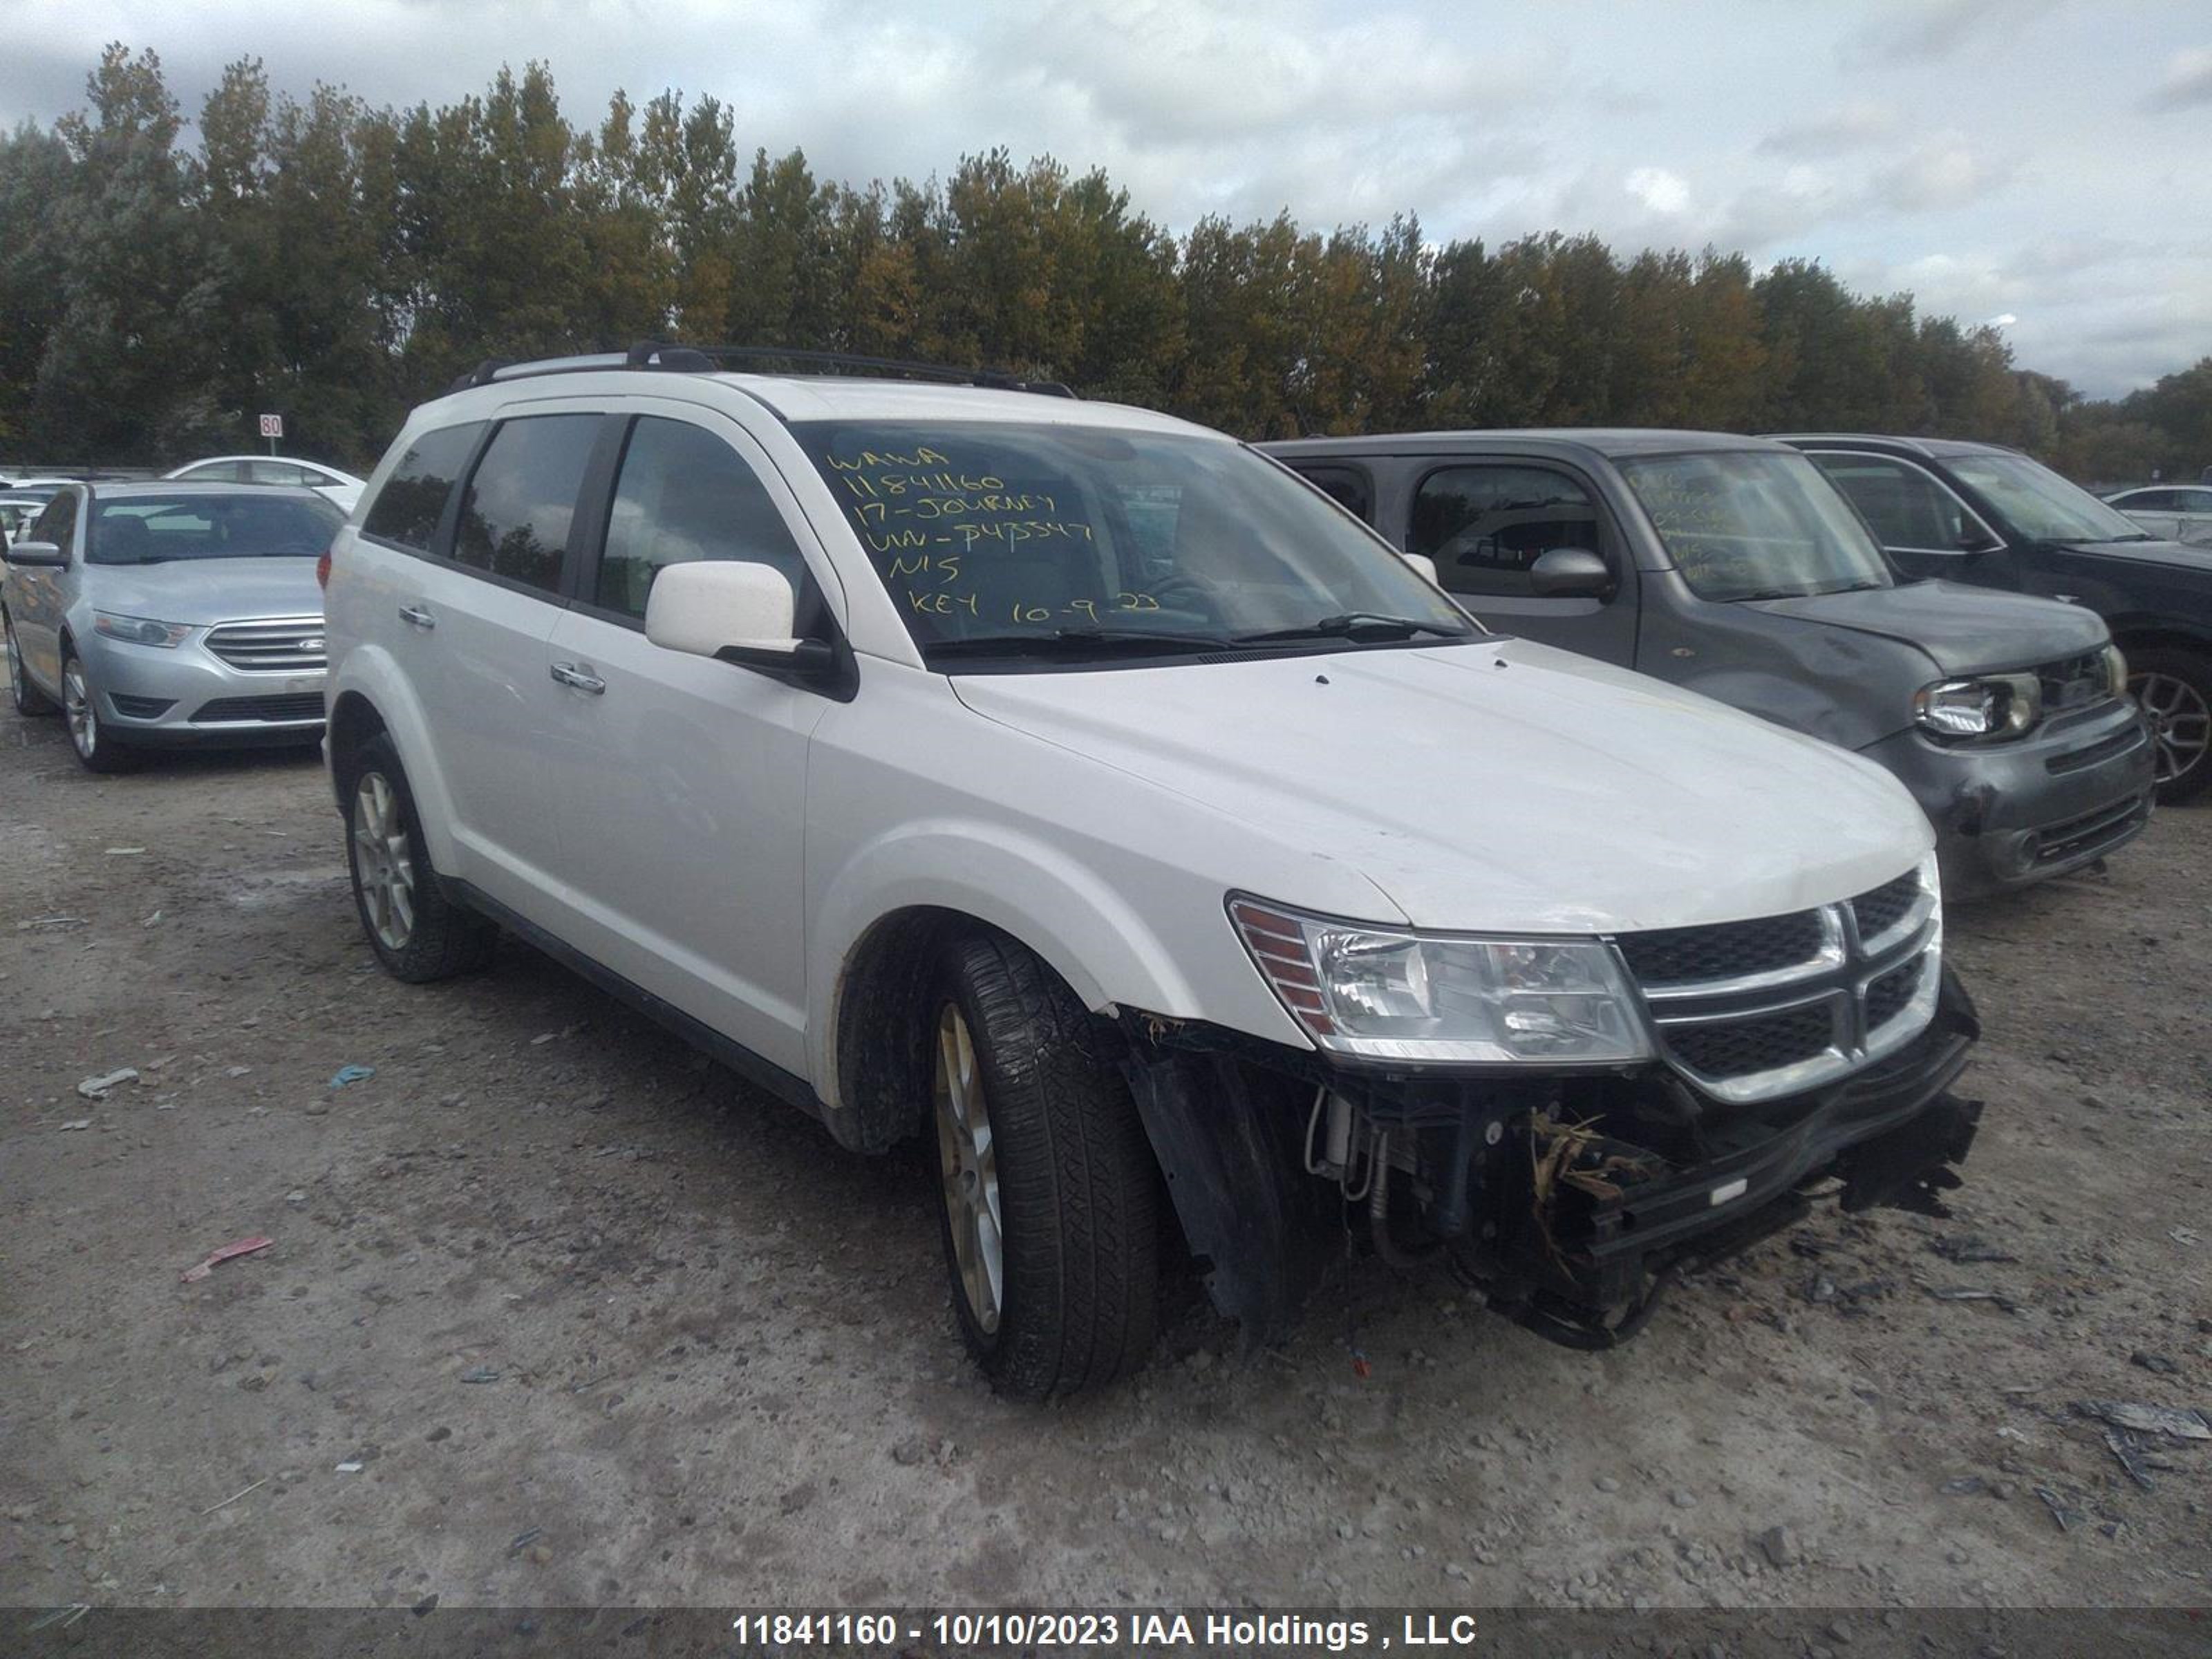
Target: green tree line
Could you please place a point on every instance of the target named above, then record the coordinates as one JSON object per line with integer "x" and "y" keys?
{"x": 336, "y": 263}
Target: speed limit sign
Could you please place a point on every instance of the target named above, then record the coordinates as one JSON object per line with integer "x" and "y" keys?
{"x": 272, "y": 426}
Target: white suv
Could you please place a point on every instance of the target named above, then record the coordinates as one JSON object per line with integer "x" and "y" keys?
{"x": 1084, "y": 792}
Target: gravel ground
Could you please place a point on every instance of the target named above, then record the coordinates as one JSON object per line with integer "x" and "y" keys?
{"x": 558, "y": 1313}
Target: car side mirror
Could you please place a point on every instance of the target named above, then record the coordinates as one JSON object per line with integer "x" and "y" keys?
{"x": 1425, "y": 564}
{"x": 1569, "y": 573}
{"x": 35, "y": 553}
{"x": 1972, "y": 540}
{"x": 738, "y": 611}
{"x": 706, "y": 607}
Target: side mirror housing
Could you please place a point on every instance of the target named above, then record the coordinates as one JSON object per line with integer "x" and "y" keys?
{"x": 1569, "y": 573}
{"x": 708, "y": 606}
{"x": 739, "y": 611}
{"x": 36, "y": 553}
{"x": 1424, "y": 564}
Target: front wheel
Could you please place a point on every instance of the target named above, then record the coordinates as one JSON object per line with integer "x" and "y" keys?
{"x": 2175, "y": 689}
{"x": 1047, "y": 1193}
{"x": 95, "y": 749}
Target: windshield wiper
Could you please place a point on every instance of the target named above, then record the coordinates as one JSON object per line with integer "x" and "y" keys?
{"x": 1372, "y": 623}
{"x": 1076, "y": 641}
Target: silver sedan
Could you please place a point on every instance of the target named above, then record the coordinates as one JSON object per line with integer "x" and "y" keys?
{"x": 163, "y": 614}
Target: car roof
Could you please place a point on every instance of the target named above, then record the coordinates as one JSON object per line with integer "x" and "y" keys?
{"x": 286, "y": 460}
{"x": 797, "y": 398}
{"x": 186, "y": 489}
{"x": 1609, "y": 441}
{"x": 1929, "y": 448}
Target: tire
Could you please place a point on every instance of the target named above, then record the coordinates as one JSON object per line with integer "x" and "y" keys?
{"x": 2175, "y": 689}
{"x": 90, "y": 741}
{"x": 1048, "y": 1127}
{"x": 28, "y": 698}
{"x": 417, "y": 932}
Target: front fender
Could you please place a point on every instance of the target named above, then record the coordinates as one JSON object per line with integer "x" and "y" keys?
{"x": 367, "y": 670}
{"x": 1108, "y": 953}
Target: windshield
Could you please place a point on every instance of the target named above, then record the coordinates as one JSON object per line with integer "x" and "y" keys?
{"x": 150, "y": 530}
{"x": 2040, "y": 505}
{"x": 1756, "y": 525}
{"x": 1034, "y": 540}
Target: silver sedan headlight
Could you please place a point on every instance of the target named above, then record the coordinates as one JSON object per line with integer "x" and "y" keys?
{"x": 141, "y": 630}
{"x": 1388, "y": 993}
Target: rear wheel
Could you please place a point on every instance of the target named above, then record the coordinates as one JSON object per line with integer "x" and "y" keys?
{"x": 27, "y": 697}
{"x": 417, "y": 932}
{"x": 2175, "y": 689}
{"x": 1047, "y": 1193}
{"x": 89, "y": 740}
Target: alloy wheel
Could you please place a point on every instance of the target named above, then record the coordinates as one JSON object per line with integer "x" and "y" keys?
{"x": 969, "y": 1163}
{"x": 2181, "y": 723}
{"x": 76, "y": 704}
{"x": 384, "y": 862}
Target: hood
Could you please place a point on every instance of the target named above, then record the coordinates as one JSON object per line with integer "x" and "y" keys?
{"x": 1499, "y": 786}
{"x": 1963, "y": 630}
{"x": 204, "y": 590}
{"x": 2177, "y": 555}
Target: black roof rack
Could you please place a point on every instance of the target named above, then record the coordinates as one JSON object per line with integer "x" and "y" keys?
{"x": 671, "y": 358}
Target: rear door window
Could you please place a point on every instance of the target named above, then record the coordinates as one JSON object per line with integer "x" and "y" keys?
{"x": 521, "y": 500}
{"x": 408, "y": 508}
{"x": 1485, "y": 526}
{"x": 280, "y": 472}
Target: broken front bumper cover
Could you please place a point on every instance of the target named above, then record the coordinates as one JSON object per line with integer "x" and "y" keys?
{"x": 1587, "y": 1267}
{"x": 1577, "y": 1248}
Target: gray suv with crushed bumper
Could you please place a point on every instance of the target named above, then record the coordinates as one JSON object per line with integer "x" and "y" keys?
{"x": 1728, "y": 566}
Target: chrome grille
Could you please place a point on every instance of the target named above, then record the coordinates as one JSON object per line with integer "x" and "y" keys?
{"x": 290, "y": 644}
{"x": 1747, "y": 1021}
{"x": 1882, "y": 909}
{"x": 1677, "y": 956}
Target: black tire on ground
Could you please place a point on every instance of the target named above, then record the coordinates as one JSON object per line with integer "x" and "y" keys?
{"x": 28, "y": 698}
{"x": 90, "y": 740}
{"x": 1079, "y": 1192}
{"x": 430, "y": 938}
{"x": 2174, "y": 686}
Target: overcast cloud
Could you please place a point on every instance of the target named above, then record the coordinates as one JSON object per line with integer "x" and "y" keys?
{"x": 2050, "y": 160}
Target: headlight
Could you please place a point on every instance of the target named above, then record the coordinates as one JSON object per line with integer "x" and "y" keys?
{"x": 2116, "y": 671}
{"x": 1390, "y": 995}
{"x": 1995, "y": 705}
{"x": 139, "y": 631}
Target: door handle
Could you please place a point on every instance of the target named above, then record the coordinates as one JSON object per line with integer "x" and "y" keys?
{"x": 417, "y": 617}
{"x": 578, "y": 676}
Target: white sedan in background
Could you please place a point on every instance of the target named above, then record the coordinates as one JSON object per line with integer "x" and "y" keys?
{"x": 2180, "y": 513}
{"x": 342, "y": 489}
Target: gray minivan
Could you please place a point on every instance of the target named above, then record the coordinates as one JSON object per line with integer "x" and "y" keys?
{"x": 1729, "y": 565}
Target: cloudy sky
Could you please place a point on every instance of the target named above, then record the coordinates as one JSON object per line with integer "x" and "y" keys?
{"x": 2048, "y": 161}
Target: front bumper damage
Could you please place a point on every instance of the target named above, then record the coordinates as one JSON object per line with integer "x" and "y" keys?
{"x": 1572, "y": 1202}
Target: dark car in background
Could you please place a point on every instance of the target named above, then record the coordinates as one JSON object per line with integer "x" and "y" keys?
{"x": 1990, "y": 516}
{"x": 1727, "y": 565}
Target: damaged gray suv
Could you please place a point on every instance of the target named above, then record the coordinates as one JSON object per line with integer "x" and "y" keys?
{"x": 1728, "y": 565}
